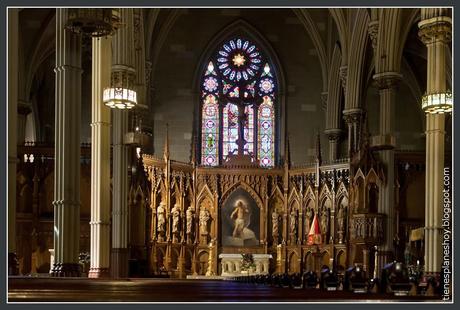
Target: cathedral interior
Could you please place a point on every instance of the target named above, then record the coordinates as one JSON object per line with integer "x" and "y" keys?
{"x": 204, "y": 143}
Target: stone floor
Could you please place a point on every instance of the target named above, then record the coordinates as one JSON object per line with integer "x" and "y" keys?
{"x": 23, "y": 289}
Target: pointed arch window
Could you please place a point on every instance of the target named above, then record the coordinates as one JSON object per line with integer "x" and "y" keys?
{"x": 238, "y": 96}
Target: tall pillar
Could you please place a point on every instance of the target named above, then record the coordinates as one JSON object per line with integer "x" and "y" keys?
{"x": 119, "y": 263}
{"x": 385, "y": 142}
{"x": 435, "y": 32}
{"x": 353, "y": 119}
{"x": 334, "y": 138}
{"x": 100, "y": 160}
{"x": 67, "y": 150}
{"x": 13, "y": 36}
{"x": 122, "y": 69}
{"x": 23, "y": 110}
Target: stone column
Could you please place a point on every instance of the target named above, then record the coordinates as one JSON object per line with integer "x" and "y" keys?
{"x": 334, "y": 138}
{"x": 100, "y": 160}
{"x": 122, "y": 68}
{"x": 435, "y": 32}
{"x": 13, "y": 52}
{"x": 385, "y": 141}
{"x": 353, "y": 119}
{"x": 24, "y": 108}
{"x": 67, "y": 150}
{"x": 119, "y": 263}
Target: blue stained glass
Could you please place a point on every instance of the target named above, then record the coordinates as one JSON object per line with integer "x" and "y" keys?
{"x": 223, "y": 66}
{"x": 266, "y": 133}
{"x": 210, "y": 131}
{"x": 238, "y": 60}
{"x": 238, "y": 43}
{"x": 238, "y": 75}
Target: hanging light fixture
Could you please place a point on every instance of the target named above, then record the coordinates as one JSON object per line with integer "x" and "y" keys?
{"x": 437, "y": 103}
{"x": 93, "y": 22}
{"x": 120, "y": 95}
{"x": 138, "y": 136}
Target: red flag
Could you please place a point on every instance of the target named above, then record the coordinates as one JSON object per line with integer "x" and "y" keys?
{"x": 314, "y": 235}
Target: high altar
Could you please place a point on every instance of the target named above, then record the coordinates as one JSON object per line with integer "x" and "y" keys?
{"x": 204, "y": 218}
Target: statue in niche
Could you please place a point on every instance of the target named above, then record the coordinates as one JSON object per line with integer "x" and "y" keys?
{"x": 275, "y": 232}
{"x": 340, "y": 218}
{"x": 175, "y": 212}
{"x": 189, "y": 220}
{"x": 324, "y": 222}
{"x": 293, "y": 225}
{"x": 161, "y": 219}
{"x": 308, "y": 218}
{"x": 204, "y": 219}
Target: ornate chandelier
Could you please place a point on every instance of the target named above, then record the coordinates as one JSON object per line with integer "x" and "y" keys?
{"x": 120, "y": 94}
{"x": 93, "y": 22}
{"x": 437, "y": 103}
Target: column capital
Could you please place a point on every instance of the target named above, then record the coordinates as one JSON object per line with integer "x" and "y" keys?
{"x": 24, "y": 107}
{"x": 373, "y": 30}
{"x": 438, "y": 28}
{"x": 352, "y": 115}
{"x": 387, "y": 80}
{"x": 333, "y": 134}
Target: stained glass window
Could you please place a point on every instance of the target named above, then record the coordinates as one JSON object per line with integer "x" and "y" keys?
{"x": 266, "y": 133}
{"x": 210, "y": 131}
{"x": 238, "y": 80}
{"x": 230, "y": 131}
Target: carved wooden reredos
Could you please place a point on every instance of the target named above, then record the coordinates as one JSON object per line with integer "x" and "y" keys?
{"x": 287, "y": 200}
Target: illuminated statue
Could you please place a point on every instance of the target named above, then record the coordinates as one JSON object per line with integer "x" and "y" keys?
{"x": 161, "y": 219}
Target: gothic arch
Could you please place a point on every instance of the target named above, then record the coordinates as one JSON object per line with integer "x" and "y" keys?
{"x": 273, "y": 198}
{"x": 276, "y": 192}
{"x": 313, "y": 33}
{"x": 294, "y": 195}
{"x": 373, "y": 177}
{"x": 359, "y": 39}
{"x": 342, "y": 28}
{"x": 246, "y": 187}
{"x": 293, "y": 262}
{"x": 325, "y": 194}
{"x": 163, "y": 35}
{"x": 342, "y": 192}
{"x": 242, "y": 27}
{"x": 204, "y": 193}
{"x": 294, "y": 203}
{"x": 309, "y": 194}
{"x": 333, "y": 115}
